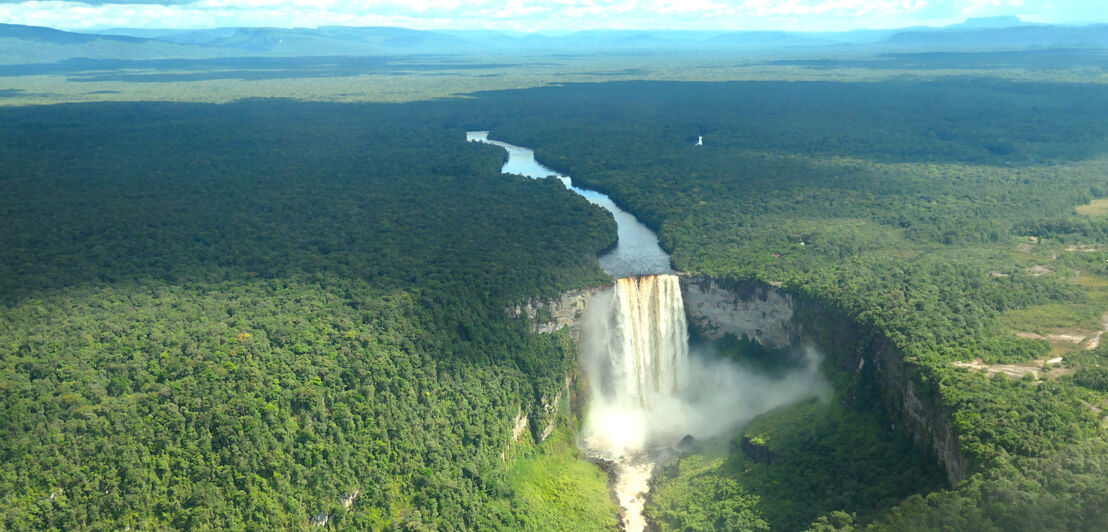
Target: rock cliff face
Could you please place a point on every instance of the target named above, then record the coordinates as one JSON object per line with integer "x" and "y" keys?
{"x": 550, "y": 408}
{"x": 549, "y": 315}
{"x": 921, "y": 413}
{"x": 764, "y": 314}
{"x": 774, "y": 318}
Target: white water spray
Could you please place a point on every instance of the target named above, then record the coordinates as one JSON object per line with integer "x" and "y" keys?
{"x": 647, "y": 392}
{"x": 638, "y": 355}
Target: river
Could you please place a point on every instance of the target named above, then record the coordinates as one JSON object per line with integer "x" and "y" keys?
{"x": 637, "y": 251}
{"x": 634, "y": 347}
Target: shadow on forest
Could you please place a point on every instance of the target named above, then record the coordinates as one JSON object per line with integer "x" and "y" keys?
{"x": 1052, "y": 59}
{"x": 241, "y": 68}
{"x": 114, "y": 192}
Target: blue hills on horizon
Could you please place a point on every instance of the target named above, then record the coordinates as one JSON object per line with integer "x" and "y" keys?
{"x": 34, "y": 44}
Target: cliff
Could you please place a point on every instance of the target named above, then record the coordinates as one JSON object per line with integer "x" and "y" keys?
{"x": 775, "y": 318}
{"x": 715, "y": 308}
{"x": 549, "y": 315}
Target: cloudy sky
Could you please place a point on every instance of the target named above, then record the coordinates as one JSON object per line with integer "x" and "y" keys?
{"x": 535, "y": 15}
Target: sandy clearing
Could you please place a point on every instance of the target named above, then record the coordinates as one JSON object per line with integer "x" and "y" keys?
{"x": 1016, "y": 371}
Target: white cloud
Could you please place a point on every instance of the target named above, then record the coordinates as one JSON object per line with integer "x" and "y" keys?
{"x": 531, "y": 14}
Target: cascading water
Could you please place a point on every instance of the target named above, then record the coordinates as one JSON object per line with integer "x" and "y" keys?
{"x": 648, "y": 344}
{"x": 635, "y": 346}
{"x": 635, "y": 349}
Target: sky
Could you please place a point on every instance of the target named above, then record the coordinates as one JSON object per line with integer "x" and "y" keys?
{"x": 542, "y": 15}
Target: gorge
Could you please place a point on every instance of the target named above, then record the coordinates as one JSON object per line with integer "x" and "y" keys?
{"x": 647, "y": 392}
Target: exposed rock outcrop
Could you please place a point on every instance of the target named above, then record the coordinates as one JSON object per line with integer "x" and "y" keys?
{"x": 519, "y": 424}
{"x": 763, "y": 313}
{"x": 925, "y": 420}
{"x": 549, "y": 315}
{"x": 757, "y": 449}
{"x": 550, "y": 408}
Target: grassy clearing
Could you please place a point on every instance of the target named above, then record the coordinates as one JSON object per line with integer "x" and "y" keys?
{"x": 1096, "y": 285}
{"x": 557, "y": 489}
{"x": 1085, "y": 270}
{"x": 1097, "y": 207}
{"x": 1054, "y": 318}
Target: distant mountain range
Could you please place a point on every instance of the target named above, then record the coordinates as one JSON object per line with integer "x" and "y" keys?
{"x": 32, "y": 44}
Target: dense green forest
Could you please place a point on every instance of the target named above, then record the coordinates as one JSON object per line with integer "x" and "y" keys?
{"x": 256, "y": 315}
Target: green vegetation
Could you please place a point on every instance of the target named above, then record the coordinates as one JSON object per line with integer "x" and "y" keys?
{"x": 235, "y": 317}
{"x": 804, "y": 460}
{"x": 555, "y": 488}
{"x": 1064, "y": 491}
{"x": 1049, "y": 317}
{"x": 701, "y": 498}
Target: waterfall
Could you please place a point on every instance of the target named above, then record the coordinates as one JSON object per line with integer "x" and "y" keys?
{"x": 648, "y": 341}
{"x": 636, "y": 349}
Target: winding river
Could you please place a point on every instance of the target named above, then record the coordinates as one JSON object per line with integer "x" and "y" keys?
{"x": 636, "y": 253}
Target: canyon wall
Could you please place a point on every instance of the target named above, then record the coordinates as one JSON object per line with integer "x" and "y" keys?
{"x": 548, "y": 316}
{"x": 762, "y": 313}
{"x": 775, "y": 318}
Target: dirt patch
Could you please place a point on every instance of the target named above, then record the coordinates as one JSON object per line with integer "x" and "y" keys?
{"x": 1069, "y": 338}
{"x": 1017, "y": 371}
{"x": 1094, "y": 341}
{"x": 1038, "y": 270}
{"x": 1087, "y": 340}
{"x": 1059, "y": 338}
{"x": 1084, "y": 249}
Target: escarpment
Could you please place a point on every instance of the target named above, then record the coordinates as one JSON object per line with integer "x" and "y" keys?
{"x": 775, "y": 318}
{"x": 548, "y": 316}
{"x": 762, "y": 313}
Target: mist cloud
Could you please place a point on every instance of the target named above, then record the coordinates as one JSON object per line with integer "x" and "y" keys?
{"x": 631, "y": 406}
